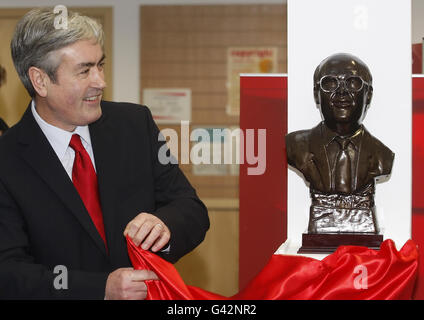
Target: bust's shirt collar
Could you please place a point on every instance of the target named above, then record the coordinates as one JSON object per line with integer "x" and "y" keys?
{"x": 328, "y": 135}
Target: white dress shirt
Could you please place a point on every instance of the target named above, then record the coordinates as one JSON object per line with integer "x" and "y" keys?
{"x": 59, "y": 140}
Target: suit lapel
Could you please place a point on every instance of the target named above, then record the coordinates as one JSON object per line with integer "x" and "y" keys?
{"x": 104, "y": 142}
{"x": 320, "y": 157}
{"x": 38, "y": 153}
{"x": 369, "y": 168}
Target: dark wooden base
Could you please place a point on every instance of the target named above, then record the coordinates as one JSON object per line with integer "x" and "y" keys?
{"x": 329, "y": 242}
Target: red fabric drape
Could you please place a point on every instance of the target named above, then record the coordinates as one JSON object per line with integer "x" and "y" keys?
{"x": 351, "y": 272}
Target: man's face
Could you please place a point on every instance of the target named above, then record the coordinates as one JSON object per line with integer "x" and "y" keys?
{"x": 344, "y": 104}
{"x": 74, "y": 99}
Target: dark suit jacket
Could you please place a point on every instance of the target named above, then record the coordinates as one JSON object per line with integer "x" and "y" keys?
{"x": 43, "y": 222}
{"x": 306, "y": 152}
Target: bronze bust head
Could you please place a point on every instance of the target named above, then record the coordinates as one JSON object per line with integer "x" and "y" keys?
{"x": 339, "y": 158}
{"x": 343, "y": 92}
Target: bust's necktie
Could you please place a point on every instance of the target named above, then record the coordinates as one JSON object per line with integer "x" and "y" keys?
{"x": 343, "y": 171}
{"x": 85, "y": 181}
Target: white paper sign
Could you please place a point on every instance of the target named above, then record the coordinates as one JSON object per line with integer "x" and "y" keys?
{"x": 246, "y": 60}
{"x": 169, "y": 106}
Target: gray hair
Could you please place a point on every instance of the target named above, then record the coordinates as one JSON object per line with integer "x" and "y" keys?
{"x": 36, "y": 38}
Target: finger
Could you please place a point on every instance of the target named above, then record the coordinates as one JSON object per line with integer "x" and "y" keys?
{"x": 155, "y": 234}
{"x": 132, "y": 227}
{"x": 142, "y": 275}
{"x": 143, "y": 232}
{"x": 161, "y": 242}
{"x": 136, "y": 286}
{"x": 136, "y": 292}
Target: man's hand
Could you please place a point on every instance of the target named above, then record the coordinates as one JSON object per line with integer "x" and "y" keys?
{"x": 128, "y": 284}
{"x": 148, "y": 231}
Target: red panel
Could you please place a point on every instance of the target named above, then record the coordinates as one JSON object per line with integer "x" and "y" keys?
{"x": 263, "y": 198}
{"x": 417, "y": 59}
{"x": 418, "y": 177}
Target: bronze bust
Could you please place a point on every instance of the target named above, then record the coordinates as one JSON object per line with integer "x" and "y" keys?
{"x": 340, "y": 160}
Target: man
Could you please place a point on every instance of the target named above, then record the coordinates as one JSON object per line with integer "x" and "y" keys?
{"x": 78, "y": 174}
{"x": 339, "y": 158}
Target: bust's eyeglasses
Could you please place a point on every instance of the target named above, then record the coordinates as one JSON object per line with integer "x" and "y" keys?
{"x": 332, "y": 83}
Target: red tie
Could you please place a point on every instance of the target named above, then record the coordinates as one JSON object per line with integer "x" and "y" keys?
{"x": 85, "y": 181}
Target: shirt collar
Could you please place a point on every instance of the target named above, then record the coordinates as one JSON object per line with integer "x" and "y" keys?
{"x": 59, "y": 139}
{"x": 329, "y": 135}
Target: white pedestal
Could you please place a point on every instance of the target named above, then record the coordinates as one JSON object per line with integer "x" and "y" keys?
{"x": 363, "y": 29}
{"x": 290, "y": 248}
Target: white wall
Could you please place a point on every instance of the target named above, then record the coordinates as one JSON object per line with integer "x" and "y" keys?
{"x": 126, "y": 36}
{"x": 365, "y": 29}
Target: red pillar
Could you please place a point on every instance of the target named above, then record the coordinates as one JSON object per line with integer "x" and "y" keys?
{"x": 263, "y": 198}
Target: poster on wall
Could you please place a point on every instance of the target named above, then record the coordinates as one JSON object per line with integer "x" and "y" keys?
{"x": 170, "y": 106}
{"x": 246, "y": 60}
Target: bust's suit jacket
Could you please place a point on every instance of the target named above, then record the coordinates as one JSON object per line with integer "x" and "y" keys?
{"x": 43, "y": 221}
{"x": 306, "y": 152}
